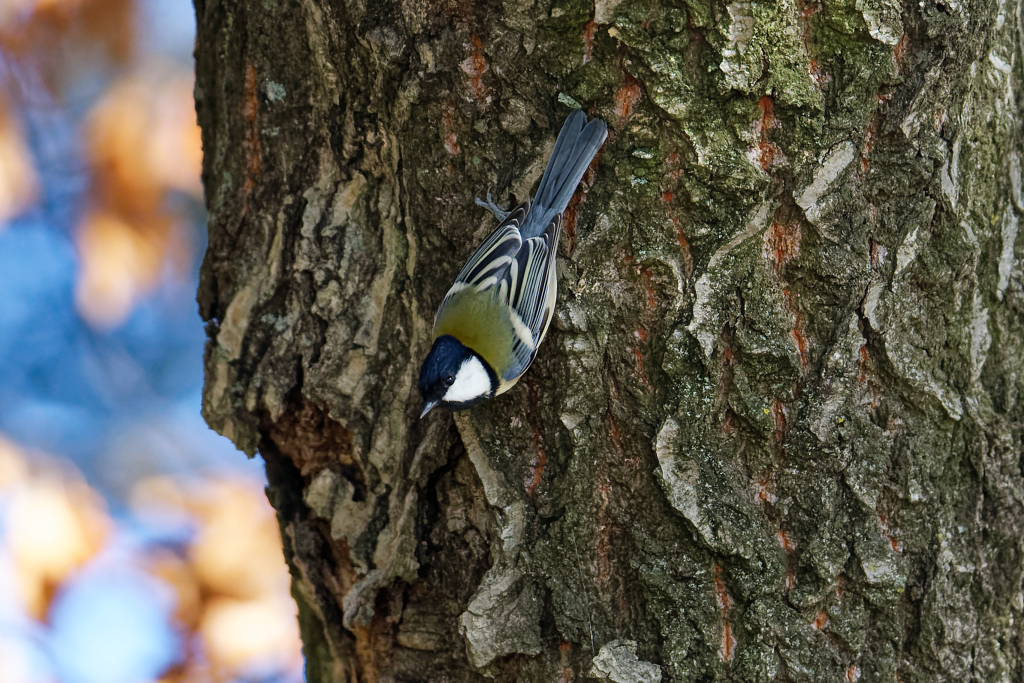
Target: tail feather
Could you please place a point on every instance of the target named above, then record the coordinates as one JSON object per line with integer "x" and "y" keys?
{"x": 571, "y": 130}
{"x": 575, "y": 148}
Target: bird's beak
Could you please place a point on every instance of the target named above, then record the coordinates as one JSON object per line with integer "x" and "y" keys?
{"x": 427, "y": 407}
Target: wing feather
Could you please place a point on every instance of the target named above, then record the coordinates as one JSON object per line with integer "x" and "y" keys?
{"x": 520, "y": 276}
{"x": 528, "y": 295}
{"x": 493, "y": 257}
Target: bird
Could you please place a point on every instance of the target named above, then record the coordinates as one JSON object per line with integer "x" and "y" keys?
{"x": 493, "y": 318}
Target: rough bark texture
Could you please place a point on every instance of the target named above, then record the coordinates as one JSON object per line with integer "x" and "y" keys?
{"x": 775, "y": 432}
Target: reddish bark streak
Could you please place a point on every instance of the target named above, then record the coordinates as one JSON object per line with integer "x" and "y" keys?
{"x": 451, "y": 140}
{"x": 800, "y": 341}
{"x": 251, "y": 142}
{"x": 652, "y": 294}
{"x": 779, "y": 414}
{"x": 764, "y": 489}
{"x": 767, "y": 154}
{"x": 569, "y": 215}
{"x": 684, "y": 247}
{"x": 639, "y": 358}
{"x": 891, "y": 534}
{"x": 727, "y": 650}
{"x": 626, "y": 97}
{"x": 778, "y": 437}
{"x": 721, "y": 594}
{"x": 475, "y": 66}
{"x": 614, "y": 432}
{"x": 781, "y": 244}
{"x": 767, "y": 105}
{"x": 901, "y": 49}
{"x": 588, "y": 41}
{"x": 539, "y": 463}
{"x": 819, "y": 77}
{"x": 569, "y": 224}
{"x": 797, "y": 333}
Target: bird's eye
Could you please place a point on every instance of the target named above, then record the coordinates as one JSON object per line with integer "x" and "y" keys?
{"x": 449, "y": 380}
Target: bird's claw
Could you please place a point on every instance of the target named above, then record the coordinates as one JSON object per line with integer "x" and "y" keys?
{"x": 492, "y": 207}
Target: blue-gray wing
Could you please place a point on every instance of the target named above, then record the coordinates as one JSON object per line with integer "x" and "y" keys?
{"x": 489, "y": 263}
{"x": 520, "y": 274}
{"x": 528, "y": 288}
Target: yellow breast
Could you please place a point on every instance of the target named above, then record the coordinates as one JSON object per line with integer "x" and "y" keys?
{"x": 480, "y": 322}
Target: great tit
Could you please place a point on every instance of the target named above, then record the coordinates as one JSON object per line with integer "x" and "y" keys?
{"x": 493, "y": 319}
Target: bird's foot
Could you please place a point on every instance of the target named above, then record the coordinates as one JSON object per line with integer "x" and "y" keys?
{"x": 492, "y": 207}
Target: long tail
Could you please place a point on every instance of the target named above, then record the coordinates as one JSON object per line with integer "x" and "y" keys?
{"x": 574, "y": 150}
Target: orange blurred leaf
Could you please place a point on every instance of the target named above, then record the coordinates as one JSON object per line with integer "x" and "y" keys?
{"x": 53, "y": 528}
{"x": 74, "y": 27}
{"x": 238, "y": 552}
{"x": 119, "y": 264}
{"x": 250, "y": 635}
{"x": 143, "y": 141}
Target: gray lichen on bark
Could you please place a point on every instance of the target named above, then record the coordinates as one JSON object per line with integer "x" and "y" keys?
{"x": 775, "y": 431}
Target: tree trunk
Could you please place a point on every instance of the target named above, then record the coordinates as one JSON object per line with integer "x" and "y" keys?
{"x": 775, "y": 431}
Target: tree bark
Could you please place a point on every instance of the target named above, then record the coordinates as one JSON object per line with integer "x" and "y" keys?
{"x": 775, "y": 431}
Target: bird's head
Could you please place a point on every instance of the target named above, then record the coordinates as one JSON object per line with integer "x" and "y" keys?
{"x": 455, "y": 376}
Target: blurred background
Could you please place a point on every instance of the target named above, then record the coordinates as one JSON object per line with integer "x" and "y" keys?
{"x": 135, "y": 544}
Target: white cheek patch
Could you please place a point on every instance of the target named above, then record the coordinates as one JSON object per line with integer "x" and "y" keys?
{"x": 471, "y": 382}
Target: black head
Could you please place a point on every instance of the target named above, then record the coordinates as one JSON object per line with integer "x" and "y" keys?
{"x": 441, "y": 369}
